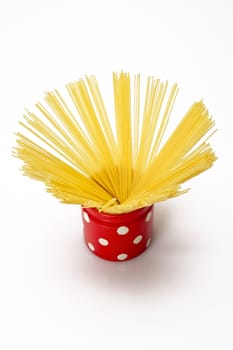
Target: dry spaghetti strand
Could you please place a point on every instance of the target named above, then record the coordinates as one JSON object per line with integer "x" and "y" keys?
{"x": 121, "y": 84}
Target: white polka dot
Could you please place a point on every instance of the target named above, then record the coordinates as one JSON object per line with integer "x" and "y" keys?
{"x": 137, "y": 239}
{"x": 90, "y": 245}
{"x": 86, "y": 217}
{"x": 122, "y": 230}
{"x": 103, "y": 241}
{"x": 148, "y": 242}
{"x": 148, "y": 217}
{"x": 122, "y": 256}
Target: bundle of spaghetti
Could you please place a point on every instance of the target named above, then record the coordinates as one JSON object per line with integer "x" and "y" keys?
{"x": 83, "y": 159}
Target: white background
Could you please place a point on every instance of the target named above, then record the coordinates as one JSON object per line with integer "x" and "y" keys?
{"x": 54, "y": 294}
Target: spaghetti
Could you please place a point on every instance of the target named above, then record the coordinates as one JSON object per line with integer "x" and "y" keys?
{"x": 81, "y": 160}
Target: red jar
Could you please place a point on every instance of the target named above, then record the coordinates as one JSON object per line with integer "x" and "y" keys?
{"x": 118, "y": 237}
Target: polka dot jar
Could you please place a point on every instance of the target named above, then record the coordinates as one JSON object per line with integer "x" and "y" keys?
{"x": 118, "y": 237}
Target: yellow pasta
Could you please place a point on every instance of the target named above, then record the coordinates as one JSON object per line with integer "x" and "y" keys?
{"x": 83, "y": 159}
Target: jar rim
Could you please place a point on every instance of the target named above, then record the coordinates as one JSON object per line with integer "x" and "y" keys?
{"x": 102, "y": 217}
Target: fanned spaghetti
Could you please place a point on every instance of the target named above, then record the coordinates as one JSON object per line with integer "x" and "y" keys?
{"x": 77, "y": 156}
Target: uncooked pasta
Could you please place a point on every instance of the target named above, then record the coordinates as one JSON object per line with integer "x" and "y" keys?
{"x": 71, "y": 144}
